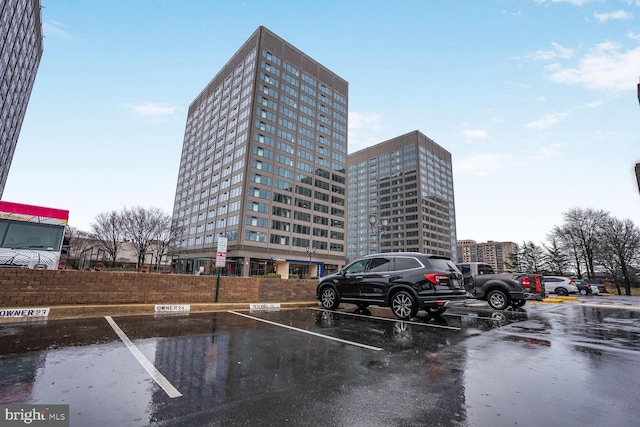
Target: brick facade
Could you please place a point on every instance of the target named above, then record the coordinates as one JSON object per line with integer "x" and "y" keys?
{"x": 29, "y": 288}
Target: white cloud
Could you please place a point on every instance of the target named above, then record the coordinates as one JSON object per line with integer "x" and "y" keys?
{"x": 544, "y": 153}
{"x": 365, "y": 120}
{"x": 552, "y": 119}
{"x": 547, "y": 121}
{"x": 603, "y": 68}
{"x": 506, "y": 12}
{"x": 471, "y": 135}
{"x": 594, "y": 104}
{"x": 573, "y": 2}
{"x": 605, "y": 135}
{"x": 364, "y": 130}
{"x": 520, "y": 85}
{"x": 55, "y": 29}
{"x": 618, "y": 15}
{"x": 154, "y": 111}
{"x": 482, "y": 164}
{"x": 558, "y": 51}
{"x": 633, "y": 36}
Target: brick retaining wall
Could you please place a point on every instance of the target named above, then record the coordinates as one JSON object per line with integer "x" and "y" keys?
{"x": 29, "y": 288}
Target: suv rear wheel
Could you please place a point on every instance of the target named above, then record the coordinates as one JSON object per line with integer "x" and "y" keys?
{"x": 403, "y": 305}
{"x": 329, "y": 298}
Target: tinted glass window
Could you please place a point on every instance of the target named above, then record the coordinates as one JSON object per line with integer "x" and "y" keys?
{"x": 443, "y": 264}
{"x": 379, "y": 264}
{"x": 485, "y": 269}
{"x": 466, "y": 270}
{"x": 356, "y": 267}
{"x": 403, "y": 263}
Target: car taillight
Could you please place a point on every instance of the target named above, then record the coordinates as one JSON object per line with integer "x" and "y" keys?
{"x": 571, "y": 281}
{"x": 526, "y": 282}
{"x": 536, "y": 277}
{"x": 437, "y": 278}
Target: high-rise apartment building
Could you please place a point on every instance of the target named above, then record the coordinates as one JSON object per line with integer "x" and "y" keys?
{"x": 496, "y": 254}
{"x": 264, "y": 164}
{"x": 401, "y": 198}
{"x": 20, "y": 53}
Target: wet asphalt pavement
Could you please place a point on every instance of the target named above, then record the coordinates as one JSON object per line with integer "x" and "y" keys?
{"x": 570, "y": 364}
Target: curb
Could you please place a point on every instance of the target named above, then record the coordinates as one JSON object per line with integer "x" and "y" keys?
{"x": 550, "y": 301}
{"x": 62, "y": 312}
{"x": 557, "y": 299}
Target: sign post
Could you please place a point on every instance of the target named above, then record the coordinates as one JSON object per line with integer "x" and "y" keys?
{"x": 221, "y": 260}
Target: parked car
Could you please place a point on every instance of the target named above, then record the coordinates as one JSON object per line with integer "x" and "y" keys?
{"x": 585, "y": 288}
{"x": 602, "y": 288}
{"x": 559, "y": 285}
{"x": 403, "y": 281}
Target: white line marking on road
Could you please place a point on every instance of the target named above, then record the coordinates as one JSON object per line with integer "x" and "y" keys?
{"x": 346, "y": 313}
{"x": 146, "y": 364}
{"x": 624, "y": 307}
{"x": 307, "y": 332}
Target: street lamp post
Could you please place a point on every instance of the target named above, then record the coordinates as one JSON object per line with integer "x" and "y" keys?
{"x": 310, "y": 250}
{"x": 377, "y": 225}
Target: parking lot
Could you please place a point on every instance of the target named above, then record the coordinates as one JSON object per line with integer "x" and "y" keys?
{"x": 570, "y": 364}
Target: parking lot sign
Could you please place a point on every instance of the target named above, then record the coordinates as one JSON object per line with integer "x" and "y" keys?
{"x": 221, "y": 253}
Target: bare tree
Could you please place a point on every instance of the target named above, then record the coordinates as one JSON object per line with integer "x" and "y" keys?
{"x": 582, "y": 230}
{"x": 78, "y": 241}
{"x": 621, "y": 250}
{"x": 570, "y": 247}
{"x": 108, "y": 230}
{"x": 141, "y": 226}
{"x": 162, "y": 240}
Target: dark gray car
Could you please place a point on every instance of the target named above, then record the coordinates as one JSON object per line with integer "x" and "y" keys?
{"x": 403, "y": 281}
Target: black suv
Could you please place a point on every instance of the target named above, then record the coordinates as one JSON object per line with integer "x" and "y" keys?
{"x": 403, "y": 281}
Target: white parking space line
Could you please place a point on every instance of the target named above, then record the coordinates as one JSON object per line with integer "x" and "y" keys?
{"x": 614, "y": 305}
{"x": 346, "y": 313}
{"x": 308, "y": 332}
{"x": 472, "y": 316}
{"x": 146, "y": 364}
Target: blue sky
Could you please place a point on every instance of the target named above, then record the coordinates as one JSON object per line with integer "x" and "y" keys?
{"x": 535, "y": 99}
